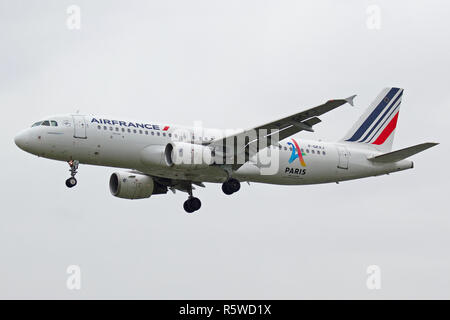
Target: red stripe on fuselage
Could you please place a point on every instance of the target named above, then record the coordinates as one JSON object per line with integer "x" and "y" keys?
{"x": 387, "y": 131}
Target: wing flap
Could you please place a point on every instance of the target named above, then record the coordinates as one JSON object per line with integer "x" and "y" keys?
{"x": 294, "y": 128}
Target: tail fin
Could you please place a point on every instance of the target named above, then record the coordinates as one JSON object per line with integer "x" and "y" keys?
{"x": 377, "y": 125}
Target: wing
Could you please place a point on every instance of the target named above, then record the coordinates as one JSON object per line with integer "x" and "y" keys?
{"x": 247, "y": 141}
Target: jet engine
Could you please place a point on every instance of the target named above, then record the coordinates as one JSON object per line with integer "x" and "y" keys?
{"x": 188, "y": 155}
{"x": 153, "y": 155}
{"x": 134, "y": 186}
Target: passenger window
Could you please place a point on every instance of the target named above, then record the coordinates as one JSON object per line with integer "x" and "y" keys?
{"x": 285, "y": 148}
{"x": 54, "y": 123}
{"x": 170, "y": 135}
{"x": 99, "y": 127}
{"x": 146, "y": 132}
{"x": 307, "y": 150}
{"x": 164, "y": 134}
{"x": 117, "y": 129}
{"x": 134, "y": 131}
{"x": 129, "y": 130}
{"x": 153, "y": 133}
{"x": 313, "y": 152}
{"x": 140, "y": 131}
{"x": 323, "y": 152}
{"x": 158, "y": 133}
{"x": 123, "y": 129}
{"x": 46, "y": 123}
{"x": 105, "y": 128}
{"x": 111, "y": 128}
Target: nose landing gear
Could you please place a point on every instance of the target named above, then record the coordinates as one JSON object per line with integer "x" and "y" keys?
{"x": 72, "y": 182}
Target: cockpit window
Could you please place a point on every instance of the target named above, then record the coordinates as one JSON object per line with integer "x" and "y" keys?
{"x": 47, "y": 123}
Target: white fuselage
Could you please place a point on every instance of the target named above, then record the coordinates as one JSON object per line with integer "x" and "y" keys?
{"x": 113, "y": 143}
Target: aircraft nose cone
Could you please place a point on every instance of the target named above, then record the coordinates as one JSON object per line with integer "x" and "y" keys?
{"x": 21, "y": 140}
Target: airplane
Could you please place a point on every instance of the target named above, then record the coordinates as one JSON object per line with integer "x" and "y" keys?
{"x": 162, "y": 157}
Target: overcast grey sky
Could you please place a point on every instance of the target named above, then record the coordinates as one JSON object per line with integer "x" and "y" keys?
{"x": 230, "y": 64}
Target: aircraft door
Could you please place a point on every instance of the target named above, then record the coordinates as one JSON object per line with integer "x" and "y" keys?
{"x": 344, "y": 156}
{"x": 79, "y": 124}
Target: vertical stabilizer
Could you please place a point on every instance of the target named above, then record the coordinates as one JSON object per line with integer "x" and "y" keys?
{"x": 377, "y": 125}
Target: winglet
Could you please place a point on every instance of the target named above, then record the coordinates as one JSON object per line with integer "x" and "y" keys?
{"x": 350, "y": 99}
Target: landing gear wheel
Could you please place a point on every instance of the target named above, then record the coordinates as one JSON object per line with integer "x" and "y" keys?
{"x": 187, "y": 207}
{"x": 235, "y": 185}
{"x": 231, "y": 186}
{"x": 71, "y": 182}
{"x": 196, "y": 203}
{"x": 226, "y": 188}
{"x": 192, "y": 204}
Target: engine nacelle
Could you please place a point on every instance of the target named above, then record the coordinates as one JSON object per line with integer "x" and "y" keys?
{"x": 133, "y": 186}
{"x": 189, "y": 155}
{"x": 153, "y": 155}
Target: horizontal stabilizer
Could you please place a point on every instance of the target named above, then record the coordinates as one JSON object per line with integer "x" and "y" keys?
{"x": 402, "y": 153}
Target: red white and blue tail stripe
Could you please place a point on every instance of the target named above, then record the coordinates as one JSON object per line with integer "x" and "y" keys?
{"x": 377, "y": 125}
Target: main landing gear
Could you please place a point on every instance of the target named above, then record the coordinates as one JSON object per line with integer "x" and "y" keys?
{"x": 72, "y": 182}
{"x": 192, "y": 203}
{"x": 231, "y": 186}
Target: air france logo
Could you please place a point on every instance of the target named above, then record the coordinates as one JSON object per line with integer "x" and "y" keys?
{"x": 130, "y": 124}
{"x": 296, "y": 153}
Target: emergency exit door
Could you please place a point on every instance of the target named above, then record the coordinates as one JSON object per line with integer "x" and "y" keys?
{"x": 344, "y": 156}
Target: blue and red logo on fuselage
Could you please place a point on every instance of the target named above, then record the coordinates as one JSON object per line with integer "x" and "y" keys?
{"x": 296, "y": 153}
